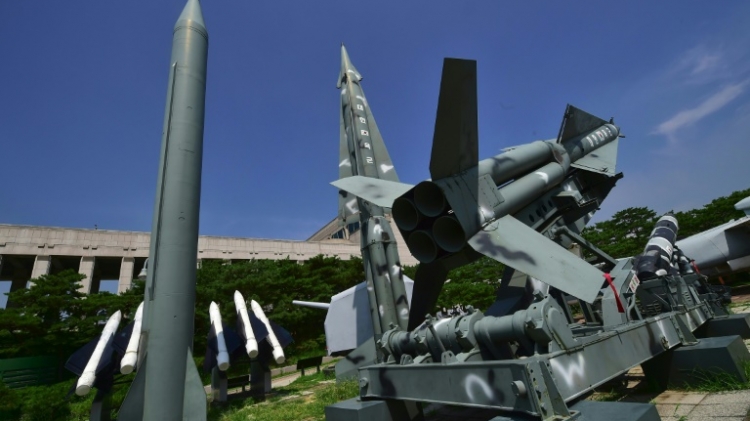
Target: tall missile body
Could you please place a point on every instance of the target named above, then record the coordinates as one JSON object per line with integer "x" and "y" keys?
{"x": 168, "y": 373}
{"x": 363, "y": 153}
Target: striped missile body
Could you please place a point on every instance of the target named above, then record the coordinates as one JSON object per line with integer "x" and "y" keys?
{"x": 363, "y": 153}
{"x": 656, "y": 259}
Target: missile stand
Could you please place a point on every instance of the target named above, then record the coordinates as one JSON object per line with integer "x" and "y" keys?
{"x": 534, "y": 361}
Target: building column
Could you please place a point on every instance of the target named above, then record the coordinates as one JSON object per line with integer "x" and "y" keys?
{"x": 41, "y": 267}
{"x": 86, "y": 268}
{"x": 126, "y": 274}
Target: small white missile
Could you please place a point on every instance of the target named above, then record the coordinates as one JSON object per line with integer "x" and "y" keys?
{"x": 278, "y": 352}
{"x": 222, "y": 358}
{"x": 86, "y": 381}
{"x": 129, "y": 360}
{"x": 251, "y": 345}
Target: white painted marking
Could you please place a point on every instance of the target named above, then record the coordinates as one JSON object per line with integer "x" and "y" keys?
{"x": 363, "y": 120}
{"x": 544, "y": 176}
{"x": 369, "y": 160}
{"x": 472, "y": 381}
{"x": 360, "y": 107}
{"x": 571, "y": 373}
{"x": 385, "y": 167}
{"x": 364, "y": 132}
{"x": 352, "y": 206}
{"x": 345, "y": 163}
{"x": 367, "y": 145}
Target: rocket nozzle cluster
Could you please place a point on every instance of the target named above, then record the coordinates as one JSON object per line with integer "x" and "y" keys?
{"x": 429, "y": 225}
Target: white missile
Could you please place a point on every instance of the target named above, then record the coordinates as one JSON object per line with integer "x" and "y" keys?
{"x": 127, "y": 365}
{"x": 251, "y": 344}
{"x": 222, "y": 358}
{"x": 278, "y": 352}
{"x": 86, "y": 381}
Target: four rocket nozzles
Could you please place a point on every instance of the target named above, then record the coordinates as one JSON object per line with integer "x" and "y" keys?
{"x": 431, "y": 229}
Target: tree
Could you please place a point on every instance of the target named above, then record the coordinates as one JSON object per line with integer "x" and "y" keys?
{"x": 625, "y": 234}
{"x": 54, "y": 318}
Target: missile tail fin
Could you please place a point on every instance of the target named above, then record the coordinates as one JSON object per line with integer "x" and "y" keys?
{"x": 576, "y": 122}
{"x": 77, "y": 362}
{"x": 602, "y": 161}
{"x": 386, "y": 170}
{"x": 378, "y": 192}
{"x": 132, "y": 407}
{"x": 429, "y": 281}
{"x": 455, "y": 141}
{"x": 194, "y": 404}
{"x": 514, "y": 244}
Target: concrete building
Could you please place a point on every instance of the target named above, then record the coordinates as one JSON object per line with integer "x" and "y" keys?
{"x": 27, "y": 252}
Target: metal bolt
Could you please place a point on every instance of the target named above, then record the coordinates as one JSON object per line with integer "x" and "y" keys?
{"x": 519, "y": 388}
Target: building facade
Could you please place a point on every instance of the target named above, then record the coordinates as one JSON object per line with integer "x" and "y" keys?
{"x": 27, "y": 252}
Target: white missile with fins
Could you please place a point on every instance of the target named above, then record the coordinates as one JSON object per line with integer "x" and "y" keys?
{"x": 86, "y": 381}
{"x": 251, "y": 344}
{"x": 130, "y": 359}
{"x": 278, "y": 352}
{"x": 222, "y": 356}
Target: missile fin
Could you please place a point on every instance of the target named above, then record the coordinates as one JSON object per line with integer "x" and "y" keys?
{"x": 378, "y": 192}
{"x": 259, "y": 328}
{"x": 602, "y": 161}
{"x": 513, "y": 243}
{"x": 233, "y": 341}
{"x": 132, "y": 407}
{"x": 455, "y": 143}
{"x": 194, "y": 403}
{"x": 347, "y": 69}
{"x": 428, "y": 282}
{"x": 576, "y": 122}
{"x": 282, "y": 335}
{"x": 123, "y": 337}
{"x": 386, "y": 170}
{"x": 77, "y": 362}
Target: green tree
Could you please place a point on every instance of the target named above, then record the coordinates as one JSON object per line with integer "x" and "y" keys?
{"x": 719, "y": 211}
{"x": 625, "y": 234}
{"x": 54, "y": 318}
{"x": 274, "y": 284}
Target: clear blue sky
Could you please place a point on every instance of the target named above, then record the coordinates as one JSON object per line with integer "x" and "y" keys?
{"x": 83, "y": 84}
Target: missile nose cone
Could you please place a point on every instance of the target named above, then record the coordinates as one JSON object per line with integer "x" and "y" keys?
{"x": 347, "y": 68}
{"x": 192, "y": 13}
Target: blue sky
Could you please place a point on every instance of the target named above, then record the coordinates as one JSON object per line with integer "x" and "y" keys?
{"x": 83, "y": 86}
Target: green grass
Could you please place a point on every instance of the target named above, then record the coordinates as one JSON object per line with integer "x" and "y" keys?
{"x": 710, "y": 381}
{"x": 309, "y": 408}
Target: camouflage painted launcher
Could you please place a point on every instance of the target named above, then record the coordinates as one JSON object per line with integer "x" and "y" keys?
{"x": 526, "y": 353}
{"x": 496, "y": 207}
